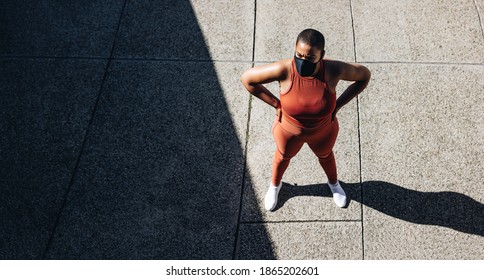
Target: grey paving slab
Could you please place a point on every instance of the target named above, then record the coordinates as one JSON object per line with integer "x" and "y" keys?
{"x": 45, "y": 109}
{"x": 227, "y": 27}
{"x": 422, "y": 139}
{"x": 184, "y": 29}
{"x": 298, "y": 241}
{"x": 162, "y": 171}
{"x": 279, "y": 23}
{"x": 418, "y": 30}
{"x": 305, "y": 195}
{"x": 58, "y": 28}
{"x": 401, "y": 223}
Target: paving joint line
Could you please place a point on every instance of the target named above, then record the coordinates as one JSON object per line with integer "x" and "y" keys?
{"x": 52, "y": 57}
{"x": 360, "y": 178}
{"x": 410, "y": 62}
{"x": 244, "y": 170}
{"x": 424, "y": 63}
{"x": 359, "y": 140}
{"x": 184, "y": 60}
{"x": 83, "y": 145}
{"x": 353, "y": 29}
{"x": 247, "y": 134}
{"x": 121, "y": 58}
{"x": 298, "y": 221}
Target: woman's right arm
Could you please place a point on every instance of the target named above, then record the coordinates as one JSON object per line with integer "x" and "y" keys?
{"x": 254, "y": 78}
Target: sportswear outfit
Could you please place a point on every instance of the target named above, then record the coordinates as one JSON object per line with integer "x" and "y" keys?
{"x": 306, "y": 107}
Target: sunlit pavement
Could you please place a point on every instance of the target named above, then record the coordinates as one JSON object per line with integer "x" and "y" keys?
{"x": 126, "y": 133}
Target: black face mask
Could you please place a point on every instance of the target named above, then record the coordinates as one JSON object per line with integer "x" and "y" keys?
{"x": 304, "y": 68}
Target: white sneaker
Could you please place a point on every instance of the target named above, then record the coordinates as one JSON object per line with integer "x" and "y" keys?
{"x": 270, "y": 200}
{"x": 339, "y": 195}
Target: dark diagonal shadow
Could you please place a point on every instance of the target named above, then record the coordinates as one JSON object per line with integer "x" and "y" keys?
{"x": 157, "y": 173}
{"x": 163, "y": 168}
{"x": 448, "y": 209}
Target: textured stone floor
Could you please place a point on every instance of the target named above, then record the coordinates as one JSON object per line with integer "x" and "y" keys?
{"x": 126, "y": 134}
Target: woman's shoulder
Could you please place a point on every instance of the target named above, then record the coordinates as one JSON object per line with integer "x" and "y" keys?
{"x": 340, "y": 69}
{"x": 264, "y": 73}
{"x": 333, "y": 67}
{"x": 284, "y": 64}
{"x": 287, "y": 61}
{"x": 281, "y": 67}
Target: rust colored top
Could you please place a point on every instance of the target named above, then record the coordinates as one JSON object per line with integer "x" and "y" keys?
{"x": 308, "y": 102}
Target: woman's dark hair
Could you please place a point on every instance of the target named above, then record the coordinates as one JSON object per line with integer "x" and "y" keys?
{"x": 311, "y": 37}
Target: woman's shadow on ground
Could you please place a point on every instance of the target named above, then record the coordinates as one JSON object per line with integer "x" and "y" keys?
{"x": 448, "y": 209}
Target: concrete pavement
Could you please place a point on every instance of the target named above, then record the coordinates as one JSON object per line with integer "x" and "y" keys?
{"x": 126, "y": 133}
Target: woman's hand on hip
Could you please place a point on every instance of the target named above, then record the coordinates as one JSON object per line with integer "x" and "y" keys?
{"x": 279, "y": 112}
{"x": 333, "y": 115}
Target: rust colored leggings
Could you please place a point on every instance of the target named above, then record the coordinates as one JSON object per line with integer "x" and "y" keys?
{"x": 290, "y": 138}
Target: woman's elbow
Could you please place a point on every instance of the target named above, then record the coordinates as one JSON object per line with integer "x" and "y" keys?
{"x": 243, "y": 77}
{"x": 368, "y": 74}
{"x": 246, "y": 79}
{"x": 365, "y": 77}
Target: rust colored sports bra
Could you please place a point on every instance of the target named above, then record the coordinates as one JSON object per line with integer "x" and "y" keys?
{"x": 307, "y": 102}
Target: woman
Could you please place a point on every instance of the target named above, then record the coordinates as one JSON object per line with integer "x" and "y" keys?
{"x": 306, "y": 111}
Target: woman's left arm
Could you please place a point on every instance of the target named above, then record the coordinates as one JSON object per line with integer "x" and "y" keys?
{"x": 351, "y": 72}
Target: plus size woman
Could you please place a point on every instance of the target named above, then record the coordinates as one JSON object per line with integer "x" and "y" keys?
{"x": 307, "y": 108}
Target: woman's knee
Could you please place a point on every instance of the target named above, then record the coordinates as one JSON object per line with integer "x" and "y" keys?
{"x": 328, "y": 156}
{"x": 281, "y": 156}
